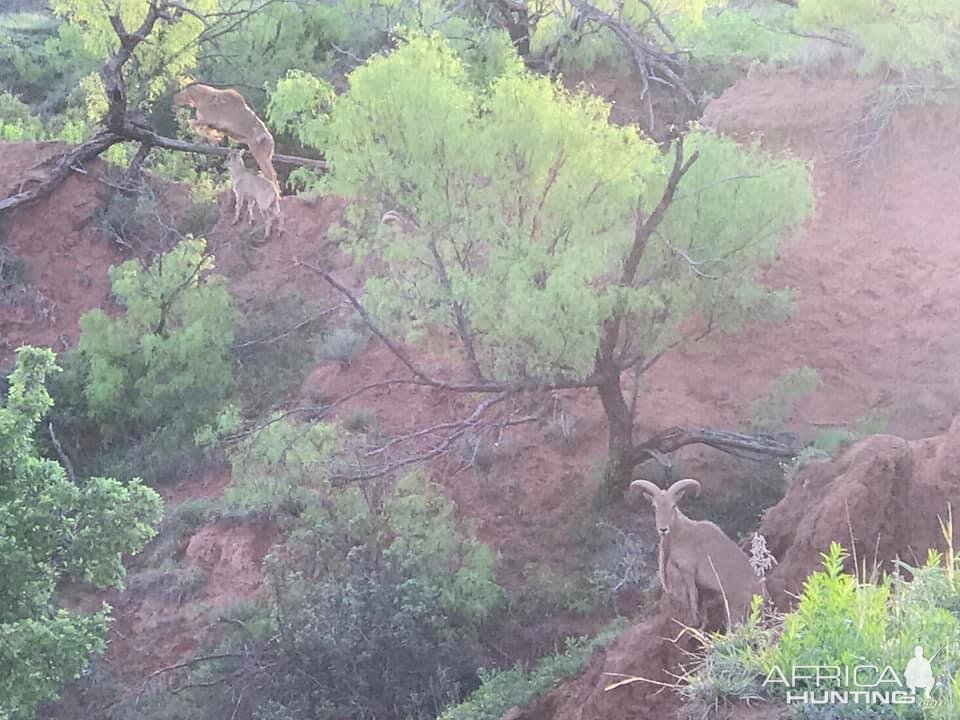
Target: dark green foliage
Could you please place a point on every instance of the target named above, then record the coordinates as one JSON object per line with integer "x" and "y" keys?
{"x": 42, "y": 59}
{"x": 375, "y": 611}
{"x": 276, "y": 348}
{"x": 501, "y": 690}
{"x": 381, "y": 650}
{"x": 52, "y": 528}
{"x": 150, "y": 377}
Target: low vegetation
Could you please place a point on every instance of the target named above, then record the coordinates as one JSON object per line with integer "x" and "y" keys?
{"x": 493, "y": 207}
{"x": 53, "y": 528}
{"x": 841, "y": 620}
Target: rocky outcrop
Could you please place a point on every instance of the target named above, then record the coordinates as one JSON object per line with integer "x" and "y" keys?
{"x": 884, "y": 492}
{"x": 881, "y": 497}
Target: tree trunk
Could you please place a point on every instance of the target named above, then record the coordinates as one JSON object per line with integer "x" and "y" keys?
{"x": 619, "y": 434}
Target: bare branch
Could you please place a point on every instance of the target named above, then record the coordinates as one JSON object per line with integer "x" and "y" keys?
{"x": 651, "y": 62}
{"x": 65, "y": 163}
{"x": 64, "y": 459}
{"x": 750, "y": 444}
{"x": 185, "y": 664}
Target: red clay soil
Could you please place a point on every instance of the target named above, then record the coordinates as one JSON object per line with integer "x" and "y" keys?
{"x": 886, "y": 493}
{"x": 874, "y": 275}
{"x": 65, "y": 255}
{"x": 884, "y": 496}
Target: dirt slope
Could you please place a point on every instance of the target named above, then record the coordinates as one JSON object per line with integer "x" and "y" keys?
{"x": 874, "y": 276}
{"x": 885, "y": 492}
{"x": 876, "y": 297}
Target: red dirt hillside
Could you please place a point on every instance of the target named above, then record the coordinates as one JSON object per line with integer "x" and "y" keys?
{"x": 874, "y": 276}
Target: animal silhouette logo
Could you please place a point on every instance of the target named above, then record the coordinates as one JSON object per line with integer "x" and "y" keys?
{"x": 919, "y": 673}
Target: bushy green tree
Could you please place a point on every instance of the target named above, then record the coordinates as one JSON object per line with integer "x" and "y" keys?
{"x": 376, "y": 603}
{"x": 559, "y": 249}
{"x": 52, "y": 528}
{"x": 173, "y": 48}
{"x": 162, "y": 367}
{"x": 17, "y": 123}
{"x": 901, "y": 33}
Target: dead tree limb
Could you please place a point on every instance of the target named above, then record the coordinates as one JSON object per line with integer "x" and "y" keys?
{"x": 652, "y": 63}
{"x": 128, "y": 132}
{"x": 140, "y": 133}
{"x": 750, "y": 444}
{"x": 61, "y": 168}
{"x": 121, "y": 124}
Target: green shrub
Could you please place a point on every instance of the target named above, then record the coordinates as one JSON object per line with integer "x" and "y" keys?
{"x": 342, "y": 344}
{"x": 42, "y": 59}
{"x": 165, "y": 360}
{"x": 141, "y": 382}
{"x": 774, "y": 410}
{"x": 729, "y": 667}
{"x": 746, "y": 34}
{"x": 516, "y": 686}
{"x": 901, "y": 34}
{"x": 375, "y": 610}
{"x": 17, "y": 123}
{"x": 547, "y": 593}
{"x": 280, "y": 468}
{"x": 838, "y": 621}
{"x": 829, "y": 441}
{"x": 842, "y": 620}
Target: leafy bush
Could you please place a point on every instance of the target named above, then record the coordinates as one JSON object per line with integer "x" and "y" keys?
{"x": 150, "y": 376}
{"x": 516, "y": 686}
{"x": 375, "y": 609}
{"x": 546, "y": 593}
{"x": 17, "y": 123}
{"x": 165, "y": 361}
{"x": 42, "y": 59}
{"x": 51, "y": 527}
{"x": 729, "y": 668}
{"x": 842, "y": 620}
{"x": 732, "y": 33}
{"x": 280, "y": 467}
{"x": 829, "y": 441}
{"x": 774, "y": 410}
{"x": 899, "y": 33}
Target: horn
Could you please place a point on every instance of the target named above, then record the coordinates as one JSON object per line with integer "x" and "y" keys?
{"x": 647, "y": 487}
{"x": 680, "y": 487}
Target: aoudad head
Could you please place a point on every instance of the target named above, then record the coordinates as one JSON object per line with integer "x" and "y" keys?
{"x": 665, "y": 501}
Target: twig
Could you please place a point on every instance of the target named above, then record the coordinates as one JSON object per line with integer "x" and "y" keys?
{"x": 184, "y": 664}
{"x": 64, "y": 459}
